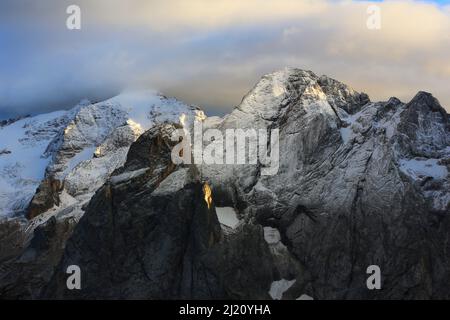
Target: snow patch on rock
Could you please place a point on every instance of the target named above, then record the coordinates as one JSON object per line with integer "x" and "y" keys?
{"x": 278, "y": 288}
{"x": 227, "y": 216}
{"x": 126, "y": 176}
{"x": 421, "y": 168}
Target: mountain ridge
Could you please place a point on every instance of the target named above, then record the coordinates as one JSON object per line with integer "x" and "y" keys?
{"x": 359, "y": 183}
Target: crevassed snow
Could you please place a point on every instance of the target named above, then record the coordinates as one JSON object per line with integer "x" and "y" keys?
{"x": 278, "y": 288}
{"x": 22, "y": 170}
{"x": 34, "y": 143}
{"x": 416, "y": 168}
{"x": 227, "y": 216}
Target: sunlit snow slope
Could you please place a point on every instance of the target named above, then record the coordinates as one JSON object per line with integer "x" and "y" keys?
{"x": 79, "y": 147}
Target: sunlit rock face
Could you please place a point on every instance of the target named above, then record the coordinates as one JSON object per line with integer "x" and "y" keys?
{"x": 359, "y": 183}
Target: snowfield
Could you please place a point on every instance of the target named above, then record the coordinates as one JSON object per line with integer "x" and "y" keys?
{"x": 80, "y": 147}
{"x": 23, "y": 168}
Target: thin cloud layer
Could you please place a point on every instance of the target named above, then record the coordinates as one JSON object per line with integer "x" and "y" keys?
{"x": 211, "y": 53}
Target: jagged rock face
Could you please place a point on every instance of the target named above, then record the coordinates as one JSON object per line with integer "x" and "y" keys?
{"x": 344, "y": 197}
{"x": 423, "y": 128}
{"x": 76, "y": 149}
{"x": 149, "y": 234}
{"x": 342, "y": 96}
{"x": 27, "y": 261}
{"x": 95, "y": 142}
{"x": 55, "y": 163}
{"x": 359, "y": 184}
{"x": 45, "y": 198}
{"x": 22, "y": 168}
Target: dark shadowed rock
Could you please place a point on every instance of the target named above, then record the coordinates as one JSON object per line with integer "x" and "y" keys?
{"x": 346, "y": 197}
{"x": 359, "y": 183}
{"x": 27, "y": 261}
{"x": 47, "y": 195}
{"x": 150, "y": 234}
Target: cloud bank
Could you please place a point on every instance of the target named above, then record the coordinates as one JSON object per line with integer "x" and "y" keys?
{"x": 210, "y": 53}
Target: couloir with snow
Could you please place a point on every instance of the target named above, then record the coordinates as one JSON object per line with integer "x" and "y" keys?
{"x": 359, "y": 183}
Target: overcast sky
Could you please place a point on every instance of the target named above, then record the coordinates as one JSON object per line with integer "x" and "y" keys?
{"x": 211, "y": 52}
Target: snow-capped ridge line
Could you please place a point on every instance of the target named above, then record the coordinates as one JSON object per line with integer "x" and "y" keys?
{"x": 78, "y": 147}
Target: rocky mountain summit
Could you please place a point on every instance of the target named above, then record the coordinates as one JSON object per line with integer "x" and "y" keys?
{"x": 359, "y": 183}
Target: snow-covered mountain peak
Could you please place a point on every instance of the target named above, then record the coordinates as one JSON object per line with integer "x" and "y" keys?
{"x": 359, "y": 182}
{"x": 74, "y": 151}
{"x": 274, "y": 96}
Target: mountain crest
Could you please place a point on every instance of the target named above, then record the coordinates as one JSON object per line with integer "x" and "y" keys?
{"x": 359, "y": 183}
